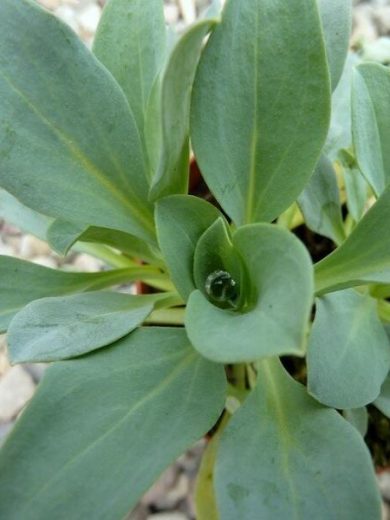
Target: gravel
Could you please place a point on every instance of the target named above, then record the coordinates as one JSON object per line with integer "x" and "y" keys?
{"x": 171, "y": 497}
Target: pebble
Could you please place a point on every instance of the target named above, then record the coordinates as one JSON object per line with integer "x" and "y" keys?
{"x": 31, "y": 246}
{"x": 89, "y": 18}
{"x": 168, "y": 516}
{"x": 45, "y": 261}
{"x": 16, "y": 389}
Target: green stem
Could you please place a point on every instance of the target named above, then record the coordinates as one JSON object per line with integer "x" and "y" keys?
{"x": 166, "y": 317}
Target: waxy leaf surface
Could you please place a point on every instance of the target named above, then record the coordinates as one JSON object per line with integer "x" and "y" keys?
{"x": 370, "y": 124}
{"x": 131, "y": 43}
{"x": 349, "y": 351}
{"x": 52, "y": 329}
{"x": 103, "y": 420}
{"x": 277, "y": 458}
{"x": 22, "y": 282}
{"x": 364, "y": 257}
{"x": 320, "y": 202}
{"x": 260, "y": 108}
{"x": 275, "y": 320}
{"x": 336, "y": 18}
{"x": 181, "y": 220}
{"x": 176, "y": 88}
{"x": 69, "y": 146}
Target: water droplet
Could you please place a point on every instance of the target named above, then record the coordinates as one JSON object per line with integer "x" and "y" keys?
{"x": 221, "y": 287}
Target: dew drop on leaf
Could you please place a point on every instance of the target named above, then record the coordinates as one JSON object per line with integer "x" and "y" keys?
{"x": 221, "y": 287}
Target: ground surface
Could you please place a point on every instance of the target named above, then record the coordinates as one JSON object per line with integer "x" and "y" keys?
{"x": 170, "y": 498}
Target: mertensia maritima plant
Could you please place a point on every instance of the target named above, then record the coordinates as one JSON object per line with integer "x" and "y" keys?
{"x": 290, "y": 133}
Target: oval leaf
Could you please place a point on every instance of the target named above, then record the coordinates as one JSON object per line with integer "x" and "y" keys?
{"x": 52, "y": 329}
{"x": 364, "y": 257}
{"x": 176, "y": 88}
{"x": 349, "y": 352}
{"x": 22, "y": 282}
{"x": 131, "y": 43}
{"x": 103, "y": 419}
{"x": 69, "y": 146}
{"x": 280, "y": 272}
{"x": 370, "y": 124}
{"x": 181, "y": 220}
{"x": 260, "y": 108}
{"x": 277, "y": 458}
{"x": 320, "y": 202}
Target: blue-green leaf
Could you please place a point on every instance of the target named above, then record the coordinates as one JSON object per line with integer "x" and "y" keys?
{"x": 370, "y": 124}
{"x": 261, "y": 106}
{"x": 69, "y": 146}
{"x": 280, "y": 277}
{"x": 181, "y": 220}
{"x": 51, "y": 329}
{"x": 131, "y": 43}
{"x": 22, "y": 282}
{"x": 103, "y": 420}
{"x": 277, "y": 458}
{"x": 320, "y": 202}
{"x": 176, "y": 88}
{"x": 364, "y": 257}
{"x": 336, "y": 17}
{"x": 349, "y": 351}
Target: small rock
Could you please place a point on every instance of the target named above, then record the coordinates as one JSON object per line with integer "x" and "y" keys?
{"x": 382, "y": 18}
{"x": 178, "y": 493}
{"x": 36, "y": 371}
{"x": 187, "y": 8}
{"x": 4, "y": 431}
{"x": 168, "y": 516}
{"x": 384, "y": 484}
{"x": 87, "y": 263}
{"x": 67, "y": 15}
{"x": 364, "y": 27}
{"x": 161, "y": 487}
{"x": 89, "y": 18}
{"x": 31, "y": 246}
{"x": 50, "y": 4}
{"x": 171, "y": 12}
{"x": 6, "y": 249}
{"x": 4, "y": 363}
{"x": 16, "y": 389}
{"x": 45, "y": 261}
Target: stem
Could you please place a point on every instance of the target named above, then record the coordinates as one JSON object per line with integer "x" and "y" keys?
{"x": 166, "y": 317}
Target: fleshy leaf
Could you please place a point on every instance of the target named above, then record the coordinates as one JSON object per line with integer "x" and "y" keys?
{"x": 19, "y": 215}
{"x": 349, "y": 352}
{"x": 370, "y": 124}
{"x": 336, "y": 17}
{"x": 176, "y": 87}
{"x": 320, "y": 203}
{"x": 131, "y": 43}
{"x": 358, "y": 417}
{"x": 261, "y": 106}
{"x": 103, "y": 419}
{"x": 277, "y": 458}
{"x": 181, "y": 220}
{"x": 52, "y": 329}
{"x": 364, "y": 257}
{"x": 280, "y": 273}
{"x": 22, "y": 282}
{"x": 69, "y": 143}
{"x": 62, "y": 235}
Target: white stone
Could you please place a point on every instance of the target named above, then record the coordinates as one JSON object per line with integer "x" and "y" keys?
{"x": 67, "y": 15}
{"x": 89, "y": 18}
{"x": 16, "y": 389}
{"x": 168, "y": 516}
{"x": 45, "y": 261}
{"x": 31, "y": 246}
{"x": 187, "y": 8}
{"x": 171, "y": 12}
{"x": 87, "y": 263}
